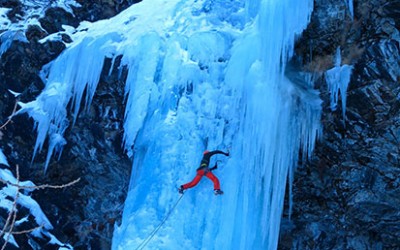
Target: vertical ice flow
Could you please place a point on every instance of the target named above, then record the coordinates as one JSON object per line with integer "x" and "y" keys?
{"x": 338, "y": 79}
{"x": 201, "y": 75}
{"x": 217, "y": 88}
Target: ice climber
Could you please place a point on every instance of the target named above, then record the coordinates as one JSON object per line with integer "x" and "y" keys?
{"x": 204, "y": 170}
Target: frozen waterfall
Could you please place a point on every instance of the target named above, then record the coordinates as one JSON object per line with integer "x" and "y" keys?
{"x": 201, "y": 75}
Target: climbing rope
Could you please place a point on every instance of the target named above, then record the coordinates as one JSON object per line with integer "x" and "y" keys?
{"x": 147, "y": 240}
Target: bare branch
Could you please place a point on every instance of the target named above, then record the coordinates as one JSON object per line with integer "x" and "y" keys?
{"x": 41, "y": 186}
{"x": 12, "y": 216}
{"x": 27, "y": 231}
{"x": 10, "y": 117}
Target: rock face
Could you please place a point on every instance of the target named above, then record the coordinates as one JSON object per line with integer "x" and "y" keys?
{"x": 347, "y": 195}
{"x": 84, "y": 214}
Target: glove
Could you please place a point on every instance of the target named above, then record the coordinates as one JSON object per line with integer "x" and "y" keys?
{"x": 215, "y": 167}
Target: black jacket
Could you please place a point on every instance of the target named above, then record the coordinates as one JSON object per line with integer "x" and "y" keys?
{"x": 206, "y": 158}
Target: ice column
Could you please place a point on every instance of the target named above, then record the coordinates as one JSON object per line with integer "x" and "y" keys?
{"x": 338, "y": 79}
{"x": 208, "y": 85}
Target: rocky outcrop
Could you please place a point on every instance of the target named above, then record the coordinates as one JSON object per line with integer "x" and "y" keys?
{"x": 347, "y": 195}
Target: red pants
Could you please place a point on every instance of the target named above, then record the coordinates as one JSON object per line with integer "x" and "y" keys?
{"x": 199, "y": 175}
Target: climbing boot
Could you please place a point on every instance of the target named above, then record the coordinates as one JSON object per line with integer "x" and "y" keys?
{"x": 218, "y": 191}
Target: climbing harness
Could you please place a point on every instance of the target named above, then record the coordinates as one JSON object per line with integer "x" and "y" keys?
{"x": 147, "y": 240}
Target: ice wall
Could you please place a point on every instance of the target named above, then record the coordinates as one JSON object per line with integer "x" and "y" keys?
{"x": 217, "y": 88}
{"x": 201, "y": 75}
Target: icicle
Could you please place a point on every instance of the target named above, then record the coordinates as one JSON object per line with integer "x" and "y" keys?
{"x": 3, "y": 158}
{"x": 351, "y": 9}
{"x": 56, "y": 144}
{"x": 338, "y": 79}
{"x": 75, "y": 71}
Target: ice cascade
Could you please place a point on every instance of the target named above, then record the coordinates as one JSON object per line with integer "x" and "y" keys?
{"x": 201, "y": 75}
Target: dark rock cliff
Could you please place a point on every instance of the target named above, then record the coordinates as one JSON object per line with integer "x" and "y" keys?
{"x": 347, "y": 195}
{"x": 84, "y": 214}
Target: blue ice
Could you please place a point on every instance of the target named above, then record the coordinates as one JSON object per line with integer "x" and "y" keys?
{"x": 201, "y": 75}
{"x": 338, "y": 79}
